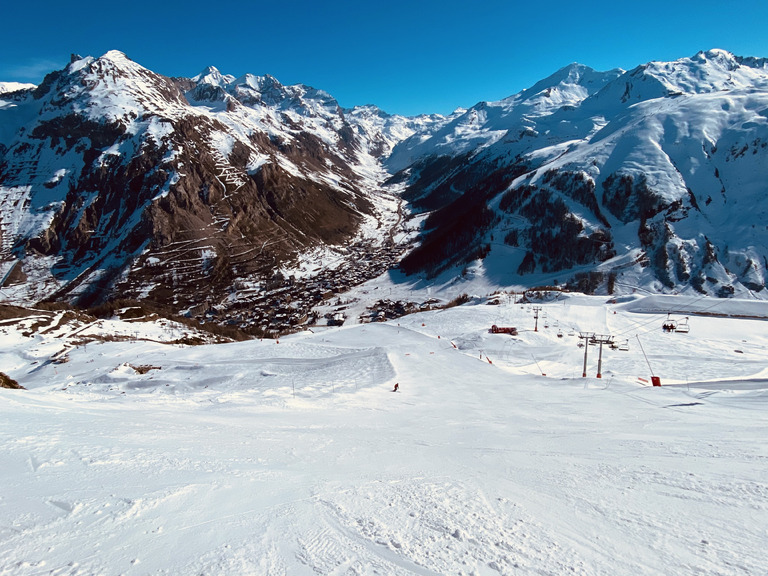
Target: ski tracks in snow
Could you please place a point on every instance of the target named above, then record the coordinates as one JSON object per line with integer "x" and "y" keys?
{"x": 427, "y": 527}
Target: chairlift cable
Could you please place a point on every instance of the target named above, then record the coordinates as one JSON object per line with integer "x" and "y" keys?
{"x": 655, "y": 320}
{"x": 644, "y": 354}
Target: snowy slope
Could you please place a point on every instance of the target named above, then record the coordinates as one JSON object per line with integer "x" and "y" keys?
{"x": 296, "y": 458}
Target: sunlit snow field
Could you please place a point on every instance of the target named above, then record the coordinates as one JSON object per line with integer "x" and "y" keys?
{"x": 295, "y": 457}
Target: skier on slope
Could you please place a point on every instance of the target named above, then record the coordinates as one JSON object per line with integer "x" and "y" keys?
{"x": 397, "y": 387}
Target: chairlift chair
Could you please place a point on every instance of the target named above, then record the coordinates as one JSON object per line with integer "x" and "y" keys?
{"x": 683, "y": 327}
{"x": 669, "y": 326}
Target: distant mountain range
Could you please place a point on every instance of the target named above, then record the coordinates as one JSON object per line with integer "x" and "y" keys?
{"x": 116, "y": 182}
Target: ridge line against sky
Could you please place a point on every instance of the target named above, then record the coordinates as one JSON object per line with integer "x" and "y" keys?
{"x": 405, "y": 57}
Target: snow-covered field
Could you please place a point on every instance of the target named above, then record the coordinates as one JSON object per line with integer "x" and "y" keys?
{"x": 294, "y": 457}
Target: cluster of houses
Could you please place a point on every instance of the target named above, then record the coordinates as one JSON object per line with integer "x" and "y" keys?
{"x": 285, "y": 304}
{"x": 383, "y": 310}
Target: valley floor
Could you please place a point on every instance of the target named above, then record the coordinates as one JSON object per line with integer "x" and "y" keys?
{"x": 295, "y": 457}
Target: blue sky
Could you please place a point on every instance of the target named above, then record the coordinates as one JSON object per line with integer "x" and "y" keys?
{"x": 406, "y": 57}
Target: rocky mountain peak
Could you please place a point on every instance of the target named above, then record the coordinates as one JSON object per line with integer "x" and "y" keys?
{"x": 211, "y": 75}
{"x": 577, "y": 80}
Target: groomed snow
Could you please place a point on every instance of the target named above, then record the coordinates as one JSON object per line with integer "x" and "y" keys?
{"x": 294, "y": 457}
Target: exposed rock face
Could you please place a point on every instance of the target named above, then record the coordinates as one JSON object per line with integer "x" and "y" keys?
{"x": 8, "y": 382}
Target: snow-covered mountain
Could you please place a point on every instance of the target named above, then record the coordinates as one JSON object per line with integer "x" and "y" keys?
{"x": 488, "y": 122}
{"x": 115, "y": 180}
{"x": 652, "y": 178}
{"x": 6, "y": 87}
{"x": 211, "y": 193}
